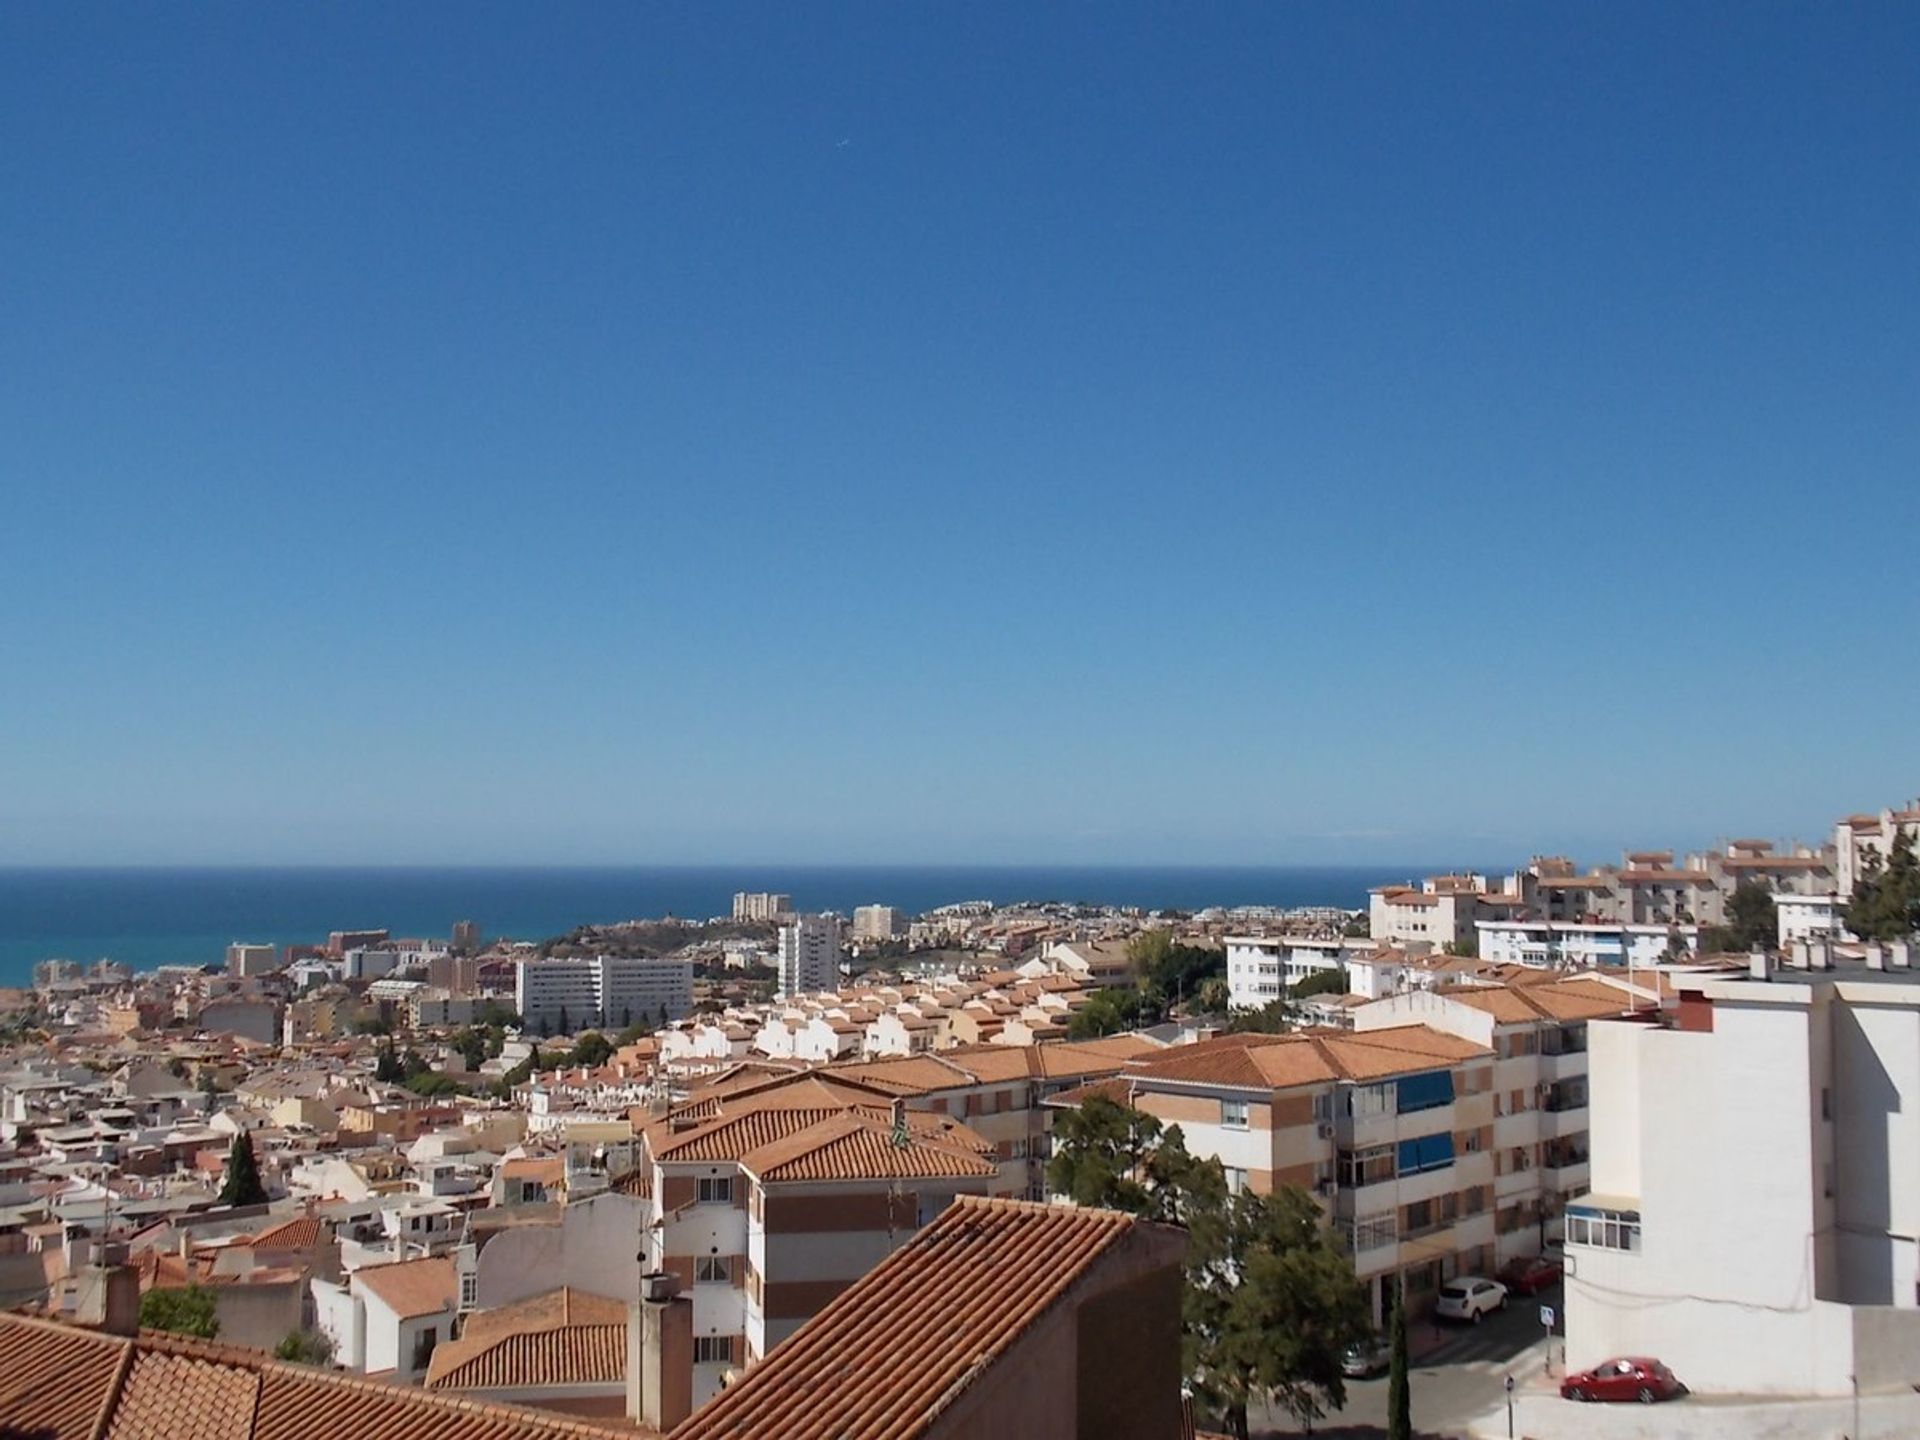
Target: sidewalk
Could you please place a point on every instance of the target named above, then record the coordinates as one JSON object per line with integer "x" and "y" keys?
{"x": 1540, "y": 1414}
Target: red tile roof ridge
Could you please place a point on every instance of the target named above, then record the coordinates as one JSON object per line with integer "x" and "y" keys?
{"x": 801, "y": 1390}
{"x": 504, "y": 1420}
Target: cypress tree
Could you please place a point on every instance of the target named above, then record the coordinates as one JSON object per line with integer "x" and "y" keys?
{"x": 243, "y": 1185}
{"x": 1399, "y": 1400}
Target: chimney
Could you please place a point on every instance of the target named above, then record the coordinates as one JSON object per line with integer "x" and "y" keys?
{"x": 122, "y": 1301}
{"x": 1876, "y": 955}
{"x": 1802, "y": 954}
{"x": 1760, "y": 964}
{"x": 1822, "y": 952}
{"x": 1900, "y": 954}
{"x": 660, "y": 1354}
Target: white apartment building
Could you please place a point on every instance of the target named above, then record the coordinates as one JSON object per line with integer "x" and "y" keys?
{"x": 1439, "y": 912}
{"x": 1807, "y": 917}
{"x": 1260, "y": 968}
{"x": 602, "y": 991}
{"x": 1755, "y": 1194}
{"x": 878, "y": 922}
{"x": 761, "y": 905}
{"x": 1857, "y": 836}
{"x": 809, "y": 955}
{"x": 1564, "y": 945}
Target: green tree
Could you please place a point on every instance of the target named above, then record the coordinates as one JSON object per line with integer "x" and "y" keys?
{"x": 1271, "y": 1307}
{"x": 626, "y": 1016}
{"x": 592, "y": 1051}
{"x": 188, "y": 1311}
{"x": 1886, "y": 898}
{"x": 566, "y": 1026}
{"x": 471, "y": 1045}
{"x": 1750, "y": 921}
{"x": 1399, "y": 1396}
{"x": 1320, "y": 982}
{"x": 242, "y": 1186}
{"x": 432, "y": 1086}
{"x": 1100, "y": 1154}
{"x": 305, "y": 1347}
{"x": 1214, "y": 996}
{"x": 1107, "y": 1013}
{"x": 386, "y": 1066}
{"x": 632, "y": 1034}
{"x": 1270, "y": 1019}
{"x": 1360, "y": 927}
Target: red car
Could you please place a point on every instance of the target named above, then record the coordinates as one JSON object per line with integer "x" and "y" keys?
{"x": 1632, "y": 1377}
{"x": 1530, "y": 1275}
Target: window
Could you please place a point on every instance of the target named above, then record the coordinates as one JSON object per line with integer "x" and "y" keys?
{"x": 1374, "y": 1231}
{"x": 1367, "y": 1101}
{"x": 1233, "y": 1114}
{"x": 1603, "y": 1229}
{"x": 712, "y": 1349}
{"x": 1366, "y": 1167}
{"x": 469, "y": 1289}
{"x": 423, "y": 1344}
{"x": 1236, "y": 1180}
{"x": 713, "y": 1270}
{"x": 715, "y": 1190}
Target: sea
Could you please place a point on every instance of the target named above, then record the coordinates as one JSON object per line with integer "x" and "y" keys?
{"x": 150, "y": 917}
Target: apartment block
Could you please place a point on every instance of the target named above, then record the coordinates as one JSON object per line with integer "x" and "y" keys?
{"x": 246, "y": 961}
{"x": 1756, "y": 1181}
{"x": 1260, "y": 968}
{"x": 1439, "y": 912}
{"x": 1537, "y": 1032}
{"x": 761, "y": 905}
{"x": 1393, "y": 1130}
{"x": 602, "y": 991}
{"x": 878, "y": 922}
{"x": 1583, "y": 945}
{"x": 809, "y": 954}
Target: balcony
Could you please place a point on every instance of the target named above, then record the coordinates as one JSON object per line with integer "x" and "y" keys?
{"x": 1557, "y": 1124}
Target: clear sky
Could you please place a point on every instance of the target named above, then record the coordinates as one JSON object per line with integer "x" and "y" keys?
{"x": 953, "y": 432}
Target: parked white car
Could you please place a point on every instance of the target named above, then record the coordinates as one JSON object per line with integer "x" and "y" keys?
{"x": 1469, "y": 1297}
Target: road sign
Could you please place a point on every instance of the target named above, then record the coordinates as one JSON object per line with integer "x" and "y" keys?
{"x": 1546, "y": 1316}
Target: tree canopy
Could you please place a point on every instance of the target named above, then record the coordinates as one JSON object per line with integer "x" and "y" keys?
{"x": 188, "y": 1311}
{"x": 1269, "y": 1306}
{"x": 1886, "y": 898}
{"x": 1750, "y": 921}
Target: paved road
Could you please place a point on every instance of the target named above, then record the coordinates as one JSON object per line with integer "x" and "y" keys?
{"x": 1454, "y": 1382}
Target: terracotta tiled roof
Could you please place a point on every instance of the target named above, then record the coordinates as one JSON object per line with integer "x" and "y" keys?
{"x": 412, "y": 1287}
{"x": 732, "y": 1138}
{"x": 57, "y": 1383}
{"x": 857, "y": 1146}
{"x": 1281, "y": 1062}
{"x": 572, "y": 1355}
{"x": 303, "y": 1232}
{"x": 565, "y": 1306}
{"x": 547, "y": 1169}
{"x": 61, "y": 1383}
{"x": 948, "y": 1303}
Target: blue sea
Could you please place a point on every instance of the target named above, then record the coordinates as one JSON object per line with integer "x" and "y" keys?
{"x": 149, "y": 917}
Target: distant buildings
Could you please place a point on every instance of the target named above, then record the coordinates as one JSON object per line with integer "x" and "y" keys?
{"x": 602, "y": 991}
{"x": 1858, "y": 837}
{"x": 878, "y": 922}
{"x": 809, "y": 954}
{"x": 761, "y": 905}
{"x": 466, "y": 937}
{"x": 246, "y": 961}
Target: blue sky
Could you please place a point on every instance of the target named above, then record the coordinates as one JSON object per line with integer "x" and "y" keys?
{"x": 967, "y": 433}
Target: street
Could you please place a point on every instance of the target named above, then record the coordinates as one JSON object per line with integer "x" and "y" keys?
{"x": 1458, "y": 1375}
